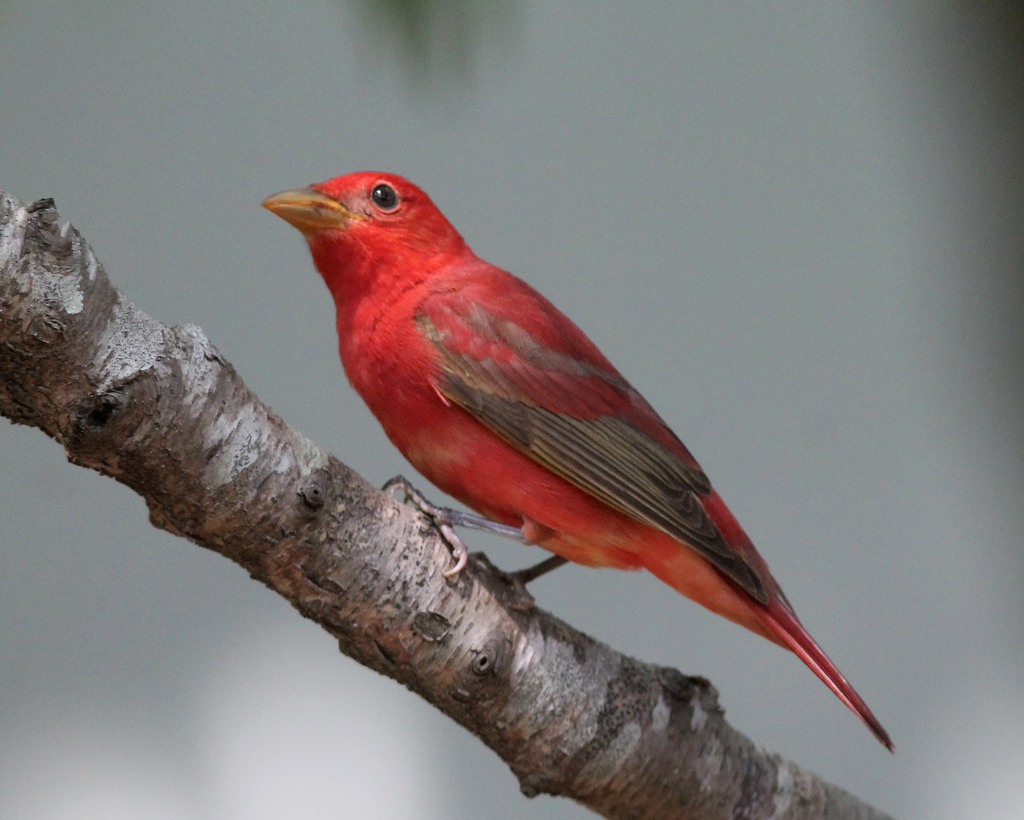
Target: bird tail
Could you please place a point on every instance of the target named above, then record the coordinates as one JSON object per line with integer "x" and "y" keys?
{"x": 693, "y": 576}
{"x": 783, "y": 623}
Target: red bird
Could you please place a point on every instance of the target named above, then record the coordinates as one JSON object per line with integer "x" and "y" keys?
{"x": 496, "y": 397}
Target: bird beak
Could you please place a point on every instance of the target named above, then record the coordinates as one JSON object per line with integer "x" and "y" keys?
{"x": 309, "y": 210}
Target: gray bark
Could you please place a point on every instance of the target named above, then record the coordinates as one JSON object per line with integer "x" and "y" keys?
{"x": 160, "y": 410}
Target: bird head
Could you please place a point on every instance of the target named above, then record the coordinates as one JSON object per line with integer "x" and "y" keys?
{"x": 366, "y": 214}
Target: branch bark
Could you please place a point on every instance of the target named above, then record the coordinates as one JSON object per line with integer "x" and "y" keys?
{"x": 160, "y": 410}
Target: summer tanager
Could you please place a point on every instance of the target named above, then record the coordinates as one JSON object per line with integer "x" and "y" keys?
{"x": 501, "y": 401}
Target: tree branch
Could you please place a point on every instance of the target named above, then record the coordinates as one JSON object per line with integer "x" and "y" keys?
{"x": 160, "y": 410}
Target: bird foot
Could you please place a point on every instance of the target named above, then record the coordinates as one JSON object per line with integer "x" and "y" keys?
{"x": 444, "y": 519}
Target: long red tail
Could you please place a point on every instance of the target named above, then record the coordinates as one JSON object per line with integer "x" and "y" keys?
{"x": 784, "y": 624}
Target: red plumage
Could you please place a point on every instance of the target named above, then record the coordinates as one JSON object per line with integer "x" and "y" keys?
{"x": 501, "y": 401}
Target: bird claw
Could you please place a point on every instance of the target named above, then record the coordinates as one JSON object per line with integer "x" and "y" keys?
{"x": 459, "y": 550}
{"x": 442, "y": 517}
{"x": 447, "y": 519}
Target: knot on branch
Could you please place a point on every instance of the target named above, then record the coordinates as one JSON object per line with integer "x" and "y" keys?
{"x": 104, "y": 427}
{"x": 482, "y": 675}
{"x": 431, "y": 626}
{"x": 52, "y": 231}
{"x": 98, "y": 414}
{"x": 315, "y": 489}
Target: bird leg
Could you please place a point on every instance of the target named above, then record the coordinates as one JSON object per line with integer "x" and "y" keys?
{"x": 522, "y": 599}
{"x": 446, "y": 519}
{"x": 525, "y": 576}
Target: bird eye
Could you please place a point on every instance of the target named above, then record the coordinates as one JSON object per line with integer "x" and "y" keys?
{"x": 384, "y": 196}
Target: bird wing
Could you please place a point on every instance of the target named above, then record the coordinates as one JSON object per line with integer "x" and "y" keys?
{"x": 551, "y": 394}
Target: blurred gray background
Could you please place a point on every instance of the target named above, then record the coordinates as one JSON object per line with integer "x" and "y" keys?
{"x": 797, "y": 228}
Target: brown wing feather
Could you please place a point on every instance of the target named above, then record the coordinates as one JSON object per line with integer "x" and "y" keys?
{"x": 607, "y": 456}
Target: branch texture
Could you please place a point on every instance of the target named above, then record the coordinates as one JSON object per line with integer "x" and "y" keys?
{"x": 160, "y": 410}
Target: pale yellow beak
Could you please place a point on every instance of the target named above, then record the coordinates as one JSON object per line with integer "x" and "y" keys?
{"x": 309, "y": 210}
